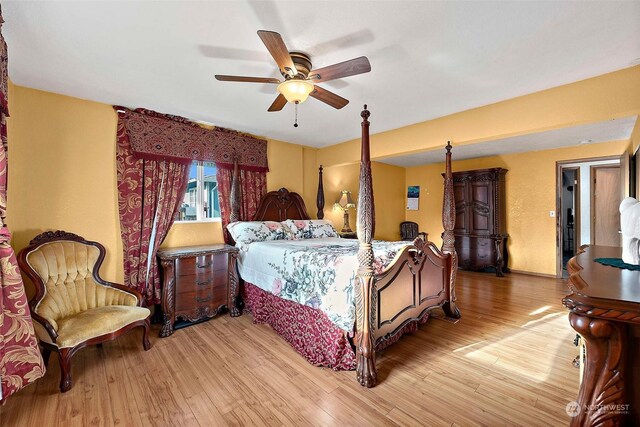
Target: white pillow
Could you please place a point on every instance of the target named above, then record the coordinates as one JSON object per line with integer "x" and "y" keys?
{"x": 246, "y": 232}
{"x": 310, "y": 228}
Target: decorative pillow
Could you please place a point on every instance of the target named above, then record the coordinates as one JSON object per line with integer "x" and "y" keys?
{"x": 310, "y": 228}
{"x": 246, "y": 232}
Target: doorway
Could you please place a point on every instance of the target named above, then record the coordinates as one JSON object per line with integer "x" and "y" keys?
{"x": 576, "y": 218}
{"x": 569, "y": 217}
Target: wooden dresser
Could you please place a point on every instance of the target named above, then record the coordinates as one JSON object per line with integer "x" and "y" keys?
{"x": 480, "y": 231}
{"x": 197, "y": 283}
{"x": 604, "y": 306}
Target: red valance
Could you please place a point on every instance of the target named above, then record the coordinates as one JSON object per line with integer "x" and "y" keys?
{"x": 159, "y": 136}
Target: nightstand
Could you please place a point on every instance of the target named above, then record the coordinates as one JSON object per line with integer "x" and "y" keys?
{"x": 198, "y": 282}
{"x": 348, "y": 234}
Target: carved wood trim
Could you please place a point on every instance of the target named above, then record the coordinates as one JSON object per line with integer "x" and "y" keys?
{"x": 602, "y": 382}
{"x": 448, "y": 238}
{"x": 590, "y": 310}
{"x": 168, "y": 297}
{"x": 50, "y": 236}
{"x": 320, "y": 196}
{"x": 234, "y": 288}
{"x": 366, "y": 372}
{"x": 281, "y": 205}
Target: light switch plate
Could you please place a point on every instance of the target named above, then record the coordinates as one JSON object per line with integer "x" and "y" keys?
{"x": 552, "y": 214}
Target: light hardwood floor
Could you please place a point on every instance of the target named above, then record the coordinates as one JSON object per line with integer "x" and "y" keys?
{"x": 507, "y": 362}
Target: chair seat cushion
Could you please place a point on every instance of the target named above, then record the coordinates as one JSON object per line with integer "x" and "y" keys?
{"x": 95, "y": 322}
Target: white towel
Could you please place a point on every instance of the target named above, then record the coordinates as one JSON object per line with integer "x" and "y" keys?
{"x": 630, "y": 225}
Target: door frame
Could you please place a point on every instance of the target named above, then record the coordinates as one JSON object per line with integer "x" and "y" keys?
{"x": 592, "y": 194}
{"x": 576, "y": 208}
{"x": 559, "y": 166}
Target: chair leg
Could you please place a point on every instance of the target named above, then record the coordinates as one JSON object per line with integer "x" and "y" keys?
{"x": 145, "y": 335}
{"x": 65, "y": 370}
{"x": 45, "y": 356}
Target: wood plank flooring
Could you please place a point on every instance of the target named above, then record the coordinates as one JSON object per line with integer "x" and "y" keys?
{"x": 507, "y": 362}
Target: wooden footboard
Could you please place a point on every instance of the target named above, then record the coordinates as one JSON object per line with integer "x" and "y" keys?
{"x": 411, "y": 286}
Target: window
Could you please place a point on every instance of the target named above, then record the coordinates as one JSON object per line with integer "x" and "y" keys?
{"x": 200, "y": 202}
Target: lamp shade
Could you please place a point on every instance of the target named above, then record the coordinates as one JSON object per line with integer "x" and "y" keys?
{"x": 345, "y": 201}
{"x": 295, "y": 90}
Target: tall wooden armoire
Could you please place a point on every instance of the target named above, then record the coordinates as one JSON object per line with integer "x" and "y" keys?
{"x": 480, "y": 231}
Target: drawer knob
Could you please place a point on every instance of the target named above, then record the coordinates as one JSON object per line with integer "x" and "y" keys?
{"x": 206, "y": 282}
{"x": 208, "y": 264}
{"x": 205, "y": 299}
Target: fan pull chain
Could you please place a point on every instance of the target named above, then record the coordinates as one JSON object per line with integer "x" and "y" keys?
{"x": 295, "y": 124}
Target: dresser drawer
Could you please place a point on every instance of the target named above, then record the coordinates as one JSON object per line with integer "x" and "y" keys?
{"x": 201, "y": 264}
{"x": 213, "y": 294}
{"x": 194, "y": 282}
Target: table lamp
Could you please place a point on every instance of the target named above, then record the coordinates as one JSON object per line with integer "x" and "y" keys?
{"x": 345, "y": 202}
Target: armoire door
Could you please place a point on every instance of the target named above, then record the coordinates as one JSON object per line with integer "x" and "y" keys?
{"x": 461, "y": 196}
{"x": 481, "y": 214}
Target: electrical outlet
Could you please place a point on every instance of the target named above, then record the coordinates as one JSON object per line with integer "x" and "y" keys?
{"x": 552, "y": 214}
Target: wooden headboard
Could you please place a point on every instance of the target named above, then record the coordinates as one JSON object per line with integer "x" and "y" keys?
{"x": 275, "y": 205}
{"x": 281, "y": 205}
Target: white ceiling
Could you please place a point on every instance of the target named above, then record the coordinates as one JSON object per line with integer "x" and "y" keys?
{"x": 428, "y": 58}
{"x": 611, "y": 130}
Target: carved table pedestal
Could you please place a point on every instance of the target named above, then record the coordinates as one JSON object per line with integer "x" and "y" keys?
{"x": 605, "y": 310}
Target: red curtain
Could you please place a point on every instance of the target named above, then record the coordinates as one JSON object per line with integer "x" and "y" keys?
{"x": 150, "y": 193}
{"x": 20, "y": 360}
{"x": 253, "y": 186}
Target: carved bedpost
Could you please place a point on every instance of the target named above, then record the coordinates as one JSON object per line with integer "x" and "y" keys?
{"x": 365, "y": 282}
{"x": 448, "y": 239}
{"x": 320, "y": 197}
{"x": 235, "y": 194}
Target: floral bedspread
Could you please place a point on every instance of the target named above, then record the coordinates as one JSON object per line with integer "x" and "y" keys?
{"x": 318, "y": 273}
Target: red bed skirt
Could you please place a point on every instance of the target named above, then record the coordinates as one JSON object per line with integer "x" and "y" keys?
{"x": 308, "y": 330}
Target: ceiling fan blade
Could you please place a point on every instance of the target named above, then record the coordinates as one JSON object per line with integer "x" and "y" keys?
{"x": 278, "y": 104}
{"x": 224, "y": 78}
{"x": 343, "y": 69}
{"x": 328, "y": 97}
{"x": 276, "y": 47}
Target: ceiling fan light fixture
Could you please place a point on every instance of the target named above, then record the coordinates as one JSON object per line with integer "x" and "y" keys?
{"x": 295, "y": 90}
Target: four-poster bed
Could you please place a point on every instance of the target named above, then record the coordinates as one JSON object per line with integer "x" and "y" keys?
{"x": 389, "y": 301}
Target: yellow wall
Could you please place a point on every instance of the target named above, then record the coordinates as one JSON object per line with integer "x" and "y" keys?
{"x": 62, "y": 174}
{"x": 62, "y": 171}
{"x": 605, "y": 97}
{"x": 531, "y": 193}
{"x": 388, "y": 190}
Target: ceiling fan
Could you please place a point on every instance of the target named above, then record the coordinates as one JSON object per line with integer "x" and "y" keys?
{"x": 299, "y": 78}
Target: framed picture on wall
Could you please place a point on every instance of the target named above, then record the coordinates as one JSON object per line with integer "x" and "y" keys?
{"x": 413, "y": 197}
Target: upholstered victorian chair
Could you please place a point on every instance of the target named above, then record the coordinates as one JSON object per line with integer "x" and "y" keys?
{"x": 73, "y": 307}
